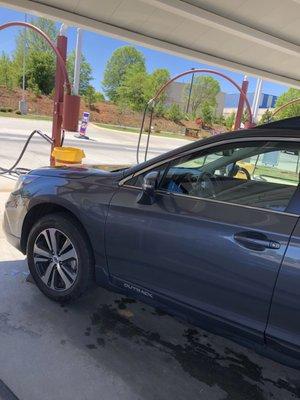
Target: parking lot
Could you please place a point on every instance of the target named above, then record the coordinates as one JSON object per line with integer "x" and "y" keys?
{"x": 111, "y": 347}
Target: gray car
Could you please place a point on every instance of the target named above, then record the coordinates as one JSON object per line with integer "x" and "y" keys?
{"x": 209, "y": 232}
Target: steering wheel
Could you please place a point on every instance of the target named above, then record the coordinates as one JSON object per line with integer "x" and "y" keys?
{"x": 207, "y": 184}
{"x": 246, "y": 172}
{"x": 200, "y": 184}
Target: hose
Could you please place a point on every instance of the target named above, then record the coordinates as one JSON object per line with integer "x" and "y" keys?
{"x": 20, "y": 171}
{"x": 150, "y": 103}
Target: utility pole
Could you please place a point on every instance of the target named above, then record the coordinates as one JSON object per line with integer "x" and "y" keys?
{"x": 256, "y": 98}
{"x": 77, "y": 62}
{"x": 189, "y": 97}
{"x": 61, "y": 44}
{"x": 190, "y": 93}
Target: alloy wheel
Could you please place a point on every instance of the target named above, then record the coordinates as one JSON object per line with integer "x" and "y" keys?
{"x": 55, "y": 259}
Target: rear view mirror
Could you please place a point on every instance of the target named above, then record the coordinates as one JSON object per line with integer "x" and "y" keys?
{"x": 225, "y": 153}
{"x": 149, "y": 186}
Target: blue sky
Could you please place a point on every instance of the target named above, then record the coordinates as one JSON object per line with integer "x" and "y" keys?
{"x": 98, "y": 49}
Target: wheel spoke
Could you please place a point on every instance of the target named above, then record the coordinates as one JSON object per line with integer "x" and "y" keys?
{"x": 41, "y": 252}
{"x": 64, "y": 277}
{"x": 53, "y": 240}
{"x": 46, "y": 276}
{"x": 53, "y": 278}
{"x": 46, "y": 237}
{"x": 41, "y": 259}
{"x": 68, "y": 255}
{"x": 66, "y": 244}
{"x": 69, "y": 271}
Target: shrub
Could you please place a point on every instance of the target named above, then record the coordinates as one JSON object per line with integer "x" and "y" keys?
{"x": 174, "y": 113}
{"x": 229, "y": 121}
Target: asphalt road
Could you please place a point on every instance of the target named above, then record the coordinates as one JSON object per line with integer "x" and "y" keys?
{"x": 104, "y": 146}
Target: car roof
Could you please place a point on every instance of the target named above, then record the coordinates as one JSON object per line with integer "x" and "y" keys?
{"x": 287, "y": 128}
{"x": 288, "y": 123}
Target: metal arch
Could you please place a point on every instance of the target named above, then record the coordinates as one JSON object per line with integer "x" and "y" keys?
{"x": 48, "y": 40}
{"x": 285, "y": 105}
{"x": 191, "y": 71}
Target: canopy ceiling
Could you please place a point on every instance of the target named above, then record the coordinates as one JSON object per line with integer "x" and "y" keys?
{"x": 257, "y": 37}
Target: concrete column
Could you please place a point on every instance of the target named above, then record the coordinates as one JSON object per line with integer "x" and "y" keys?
{"x": 77, "y": 62}
{"x": 256, "y": 99}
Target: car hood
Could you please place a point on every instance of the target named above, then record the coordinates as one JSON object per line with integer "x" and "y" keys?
{"x": 82, "y": 170}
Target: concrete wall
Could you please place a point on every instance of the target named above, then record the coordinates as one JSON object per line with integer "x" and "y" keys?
{"x": 229, "y": 110}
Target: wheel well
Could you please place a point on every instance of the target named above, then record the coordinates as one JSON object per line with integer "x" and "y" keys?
{"x": 40, "y": 210}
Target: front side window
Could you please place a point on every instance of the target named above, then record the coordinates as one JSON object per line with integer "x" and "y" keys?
{"x": 259, "y": 174}
{"x": 137, "y": 180}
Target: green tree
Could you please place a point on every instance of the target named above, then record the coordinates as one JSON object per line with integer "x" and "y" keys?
{"x": 204, "y": 93}
{"x": 152, "y": 84}
{"x": 6, "y": 71}
{"x": 131, "y": 92}
{"x": 36, "y": 49}
{"x": 290, "y": 111}
{"x": 85, "y": 72}
{"x": 266, "y": 117}
{"x": 99, "y": 97}
{"x": 155, "y": 81}
{"x": 117, "y": 67}
{"x": 90, "y": 95}
{"x": 40, "y": 72}
{"x": 35, "y": 41}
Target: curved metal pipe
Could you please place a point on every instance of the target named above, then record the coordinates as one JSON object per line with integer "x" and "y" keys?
{"x": 149, "y": 133}
{"x": 48, "y": 40}
{"x": 191, "y": 71}
{"x": 285, "y": 105}
{"x": 141, "y": 132}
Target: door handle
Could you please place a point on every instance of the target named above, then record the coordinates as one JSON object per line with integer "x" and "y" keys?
{"x": 255, "y": 241}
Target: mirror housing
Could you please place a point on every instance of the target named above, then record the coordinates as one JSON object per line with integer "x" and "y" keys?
{"x": 149, "y": 187}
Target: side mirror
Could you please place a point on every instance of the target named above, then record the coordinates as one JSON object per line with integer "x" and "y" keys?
{"x": 149, "y": 186}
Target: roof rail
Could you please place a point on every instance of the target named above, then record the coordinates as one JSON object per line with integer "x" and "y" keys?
{"x": 288, "y": 123}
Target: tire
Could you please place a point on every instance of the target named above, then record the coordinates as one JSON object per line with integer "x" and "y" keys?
{"x": 60, "y": 257}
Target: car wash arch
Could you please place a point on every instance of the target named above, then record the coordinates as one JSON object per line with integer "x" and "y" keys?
{"x": 150, "y": 106}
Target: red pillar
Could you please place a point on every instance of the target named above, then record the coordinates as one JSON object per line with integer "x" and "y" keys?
{"x": 58, "y": 96}
{"x": 240, "y": 109}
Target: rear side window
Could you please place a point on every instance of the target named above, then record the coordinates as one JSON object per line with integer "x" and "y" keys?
{"x": 258, "y": 174}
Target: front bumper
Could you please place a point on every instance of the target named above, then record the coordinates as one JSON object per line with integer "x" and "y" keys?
{"x": 12, "y": 239}
{"x": 13, "y": 220}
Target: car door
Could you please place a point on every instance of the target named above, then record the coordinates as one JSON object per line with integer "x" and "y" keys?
{"x": 283, "y": 330}
{"x": 213, "y": 240}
